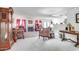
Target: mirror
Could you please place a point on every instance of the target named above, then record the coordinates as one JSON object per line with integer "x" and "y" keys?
{"x": 3, "y": 31}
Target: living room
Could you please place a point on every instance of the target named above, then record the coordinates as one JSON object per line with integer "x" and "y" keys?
{"x": 42, "y": 29}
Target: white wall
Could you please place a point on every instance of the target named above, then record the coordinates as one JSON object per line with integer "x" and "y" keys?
{"x": 71, "y": 18}
{"x": 18, "y": 16}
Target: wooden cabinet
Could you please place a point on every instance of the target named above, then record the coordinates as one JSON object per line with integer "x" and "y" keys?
{"x": 6, "y": 28}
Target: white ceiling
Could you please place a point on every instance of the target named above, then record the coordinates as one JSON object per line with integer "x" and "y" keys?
{"x": 41, "y": 11}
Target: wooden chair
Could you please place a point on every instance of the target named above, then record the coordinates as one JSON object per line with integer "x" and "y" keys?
{"x": 20, "y": 32}
{"x": 44, "y": 33}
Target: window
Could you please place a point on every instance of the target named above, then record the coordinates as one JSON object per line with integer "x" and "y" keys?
{"x": 46, "y": 24}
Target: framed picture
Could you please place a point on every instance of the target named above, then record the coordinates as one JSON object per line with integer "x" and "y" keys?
{"x": 77, "y": 18}
{"x": 30, "y": 21}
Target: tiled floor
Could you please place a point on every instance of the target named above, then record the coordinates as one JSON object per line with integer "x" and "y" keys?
{"x": 33, "y": 43}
